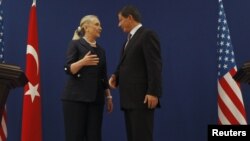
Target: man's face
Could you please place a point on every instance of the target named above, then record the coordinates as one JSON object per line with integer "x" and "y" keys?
{"x": 124, "y": 23}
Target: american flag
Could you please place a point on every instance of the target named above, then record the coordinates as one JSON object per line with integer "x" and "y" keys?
{"x": 1, "y": 34}
{"x": 231, "y": 110}
{"x": 3, "y": 127}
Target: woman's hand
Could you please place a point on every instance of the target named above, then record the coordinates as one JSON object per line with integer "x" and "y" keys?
{"x": 89, "y": 60}
{"x": 109, "y": 104}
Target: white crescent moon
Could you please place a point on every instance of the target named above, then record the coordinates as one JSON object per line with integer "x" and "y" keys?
{"x": 32, "y": 51}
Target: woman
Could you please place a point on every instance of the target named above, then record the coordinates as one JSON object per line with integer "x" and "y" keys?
{"x": 87, "y": 86}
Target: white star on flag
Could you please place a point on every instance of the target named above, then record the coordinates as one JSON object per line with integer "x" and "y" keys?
{"x": 33, "y": 91}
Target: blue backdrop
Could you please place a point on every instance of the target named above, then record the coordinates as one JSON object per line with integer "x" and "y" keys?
{"x": 187, "y": 31}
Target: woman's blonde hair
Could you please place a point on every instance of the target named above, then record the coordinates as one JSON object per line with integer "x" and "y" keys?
{"x": 80, "y": 31}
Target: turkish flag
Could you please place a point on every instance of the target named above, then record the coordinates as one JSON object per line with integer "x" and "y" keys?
{"x": 31, "y": 116}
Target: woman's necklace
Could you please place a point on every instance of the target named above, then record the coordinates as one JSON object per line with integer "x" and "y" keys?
{"x": 91, "y": 43}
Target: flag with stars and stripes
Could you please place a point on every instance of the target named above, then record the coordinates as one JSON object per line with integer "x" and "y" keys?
{"x": 3, "y": 127}
{"x": 231, "y": 110}
{"x": 32, "y": 116}
{"x": 1, "y": 34}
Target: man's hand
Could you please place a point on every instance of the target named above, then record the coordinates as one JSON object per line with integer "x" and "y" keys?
{"x": 151, "y": 100}
{"x": 112, "y": 81}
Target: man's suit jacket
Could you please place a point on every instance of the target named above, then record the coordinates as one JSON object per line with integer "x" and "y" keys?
{"x": 88, "y": 81}
{"x": 140, "y": 69}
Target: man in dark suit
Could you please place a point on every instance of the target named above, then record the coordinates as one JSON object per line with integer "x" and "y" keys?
{"x": 138, "y": 76}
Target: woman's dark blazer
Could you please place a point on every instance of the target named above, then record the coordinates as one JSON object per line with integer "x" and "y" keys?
{"x": 140, "y": 69}
{"x": 88, "y": 81}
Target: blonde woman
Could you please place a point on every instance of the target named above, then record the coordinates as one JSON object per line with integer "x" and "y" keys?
{"x": 87, "y": 87}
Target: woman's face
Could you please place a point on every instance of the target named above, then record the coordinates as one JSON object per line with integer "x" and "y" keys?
{"x": 94, "y": 28}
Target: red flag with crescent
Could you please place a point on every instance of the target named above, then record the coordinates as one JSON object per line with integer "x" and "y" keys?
{"x": 31, "y": 116}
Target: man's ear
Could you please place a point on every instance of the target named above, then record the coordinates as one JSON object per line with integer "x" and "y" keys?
{"x": 130, "y": 17}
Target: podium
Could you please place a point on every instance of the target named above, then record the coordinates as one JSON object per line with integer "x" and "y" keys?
{"x": 11, "y": 77}
{"x": 243, "y": 74}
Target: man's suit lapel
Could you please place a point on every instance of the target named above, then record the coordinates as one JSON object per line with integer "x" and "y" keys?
{"x": 130, "y": 43}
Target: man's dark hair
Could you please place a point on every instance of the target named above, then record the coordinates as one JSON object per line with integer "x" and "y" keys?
{"x": 131, "y": 10}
